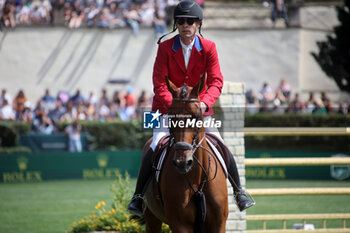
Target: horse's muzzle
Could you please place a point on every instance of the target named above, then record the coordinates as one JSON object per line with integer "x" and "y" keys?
{"x": 183, "y": 158}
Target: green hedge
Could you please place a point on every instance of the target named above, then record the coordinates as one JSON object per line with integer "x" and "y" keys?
{"x": 114, "y": 135}
{"x": 130, "y": 135}
{"x": 8, "y": 136}
{"x": 294, "y": 120}
{"x": 334, "y": 143}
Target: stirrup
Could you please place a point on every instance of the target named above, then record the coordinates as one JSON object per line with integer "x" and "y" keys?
{"x": 137, "y": 212}
{"x": 247, "y": 194}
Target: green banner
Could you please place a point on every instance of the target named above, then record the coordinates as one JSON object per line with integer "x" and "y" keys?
{"x": 50, "y": 166}
{"x": 57, "y": 142}
{"x": 339, "y": 172}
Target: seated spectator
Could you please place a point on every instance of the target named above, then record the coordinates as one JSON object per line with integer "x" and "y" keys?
{"x": 46, "y": 126}
{"x": 114, "y": 111}
{"x": 19, "y": 101}
{"x": 8, "y": 15}
{"x": 143, "y": 100}
{"x": 67, "y": 9}
{"x": 342, "y": 109}
{"x": 56, "y": 114}
{"x": 285, "y": 89}
{"x": 326, "y": 101}
{"x": 127, "y": 111}
{"x": 252, "y": 103}
{"x": 92, "y": 99}
{"x": 5, "y": 96}
{"x": 111, "y": 17}
{"x": 116, "y": 16}
{"x": 279, "y": 99}
{"x": 24, "y": 113}
{"x": 296, "y": 105}
{"x": 77, "y": 15}
{"x": 103, "y": 112}
{"x": 39, "y": 13}
{"x": 49, "y": 100}
{"x": 129, "y": 97}
{"x": 80, "y": 112}
{"x": 90, "y": 112}
{"x": 132, "y": 19}
{"x": 310, "y": 105}
{"x": 159, "y": 21}
{"x": 73, "y": 131}
{"x": 104, "y": 100}
{"x": 319, "y": 109}
{"x": 146, "y": 13}
{"x": 23, "y": 13}
{"x": 71, "y": 114}
{"x": 116, "y": 98}
{"x": 77, "y": 98}
{"x": 266, "y": 93}
{"x": 92, "y": 15}
{"x": 6, "y": 112}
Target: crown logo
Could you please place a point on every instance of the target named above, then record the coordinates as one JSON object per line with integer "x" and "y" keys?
{"x": 102, "y": 160}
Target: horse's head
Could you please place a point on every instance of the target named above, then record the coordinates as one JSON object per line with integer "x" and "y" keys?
{"x": 184, "y": 113}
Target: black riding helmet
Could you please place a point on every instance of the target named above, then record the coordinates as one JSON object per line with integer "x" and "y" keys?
{"x": 186, "y": 9}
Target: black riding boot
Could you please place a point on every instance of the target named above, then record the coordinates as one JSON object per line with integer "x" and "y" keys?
{"x": 135, "y": 206}
{"x": 243, "y": 202}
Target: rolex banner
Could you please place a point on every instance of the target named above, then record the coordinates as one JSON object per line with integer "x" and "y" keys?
{"x": 37, "y": 167}
{"x": 333, "y": 172}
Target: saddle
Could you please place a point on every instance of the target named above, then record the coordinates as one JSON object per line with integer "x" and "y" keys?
{"x": 221, "y": 152}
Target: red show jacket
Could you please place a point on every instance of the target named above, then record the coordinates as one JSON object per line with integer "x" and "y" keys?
{"x": 170, "y": 62}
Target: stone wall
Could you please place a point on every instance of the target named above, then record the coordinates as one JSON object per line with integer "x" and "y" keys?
{"x": 232, "y": 102}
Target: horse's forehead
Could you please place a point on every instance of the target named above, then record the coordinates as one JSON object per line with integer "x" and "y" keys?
{"x": 185, "y": 91}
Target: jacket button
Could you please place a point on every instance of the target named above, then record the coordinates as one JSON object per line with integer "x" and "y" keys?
{"x": 186, "y": 77}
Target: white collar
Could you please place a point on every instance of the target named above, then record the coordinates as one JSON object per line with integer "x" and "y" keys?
{"x": 187, "y": 46}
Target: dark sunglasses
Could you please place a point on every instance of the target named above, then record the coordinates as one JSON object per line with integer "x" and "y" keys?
{"x": 189, "y": 21}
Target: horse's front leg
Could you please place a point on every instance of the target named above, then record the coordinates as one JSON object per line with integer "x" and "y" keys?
{"x": 153, "y": 224}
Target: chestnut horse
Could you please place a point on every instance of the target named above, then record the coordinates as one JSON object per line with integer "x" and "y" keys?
{"x": 192, "y": 182}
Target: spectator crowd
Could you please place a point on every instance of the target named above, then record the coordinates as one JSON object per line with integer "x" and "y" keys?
{"x": 280, "y": 101}
{"x": 49, "y": 110}
{"x": 90, "y": 13}
{"x": 124, "y": 106}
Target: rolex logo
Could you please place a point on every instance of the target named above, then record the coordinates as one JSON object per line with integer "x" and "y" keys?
{"x": 102, "y": 160}
{"x": 22, "y": 163}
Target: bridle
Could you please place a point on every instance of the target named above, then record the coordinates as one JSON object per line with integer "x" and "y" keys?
{"x": 193, "y": 147}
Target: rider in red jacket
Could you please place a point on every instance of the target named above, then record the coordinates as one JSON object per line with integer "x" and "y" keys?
{"x": 170, "y": 62}
{"x": 184, "y": 59}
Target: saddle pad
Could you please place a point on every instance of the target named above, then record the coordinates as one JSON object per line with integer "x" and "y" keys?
{"x": 218, "y": 156}
{"x": 213, "y": 148}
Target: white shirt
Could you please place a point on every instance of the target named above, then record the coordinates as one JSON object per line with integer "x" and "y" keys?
{"x": 186, "y": 50}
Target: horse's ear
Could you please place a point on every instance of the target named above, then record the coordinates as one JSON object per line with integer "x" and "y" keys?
{"x": 171, "y": 86}
{"x": 199, "y": 87}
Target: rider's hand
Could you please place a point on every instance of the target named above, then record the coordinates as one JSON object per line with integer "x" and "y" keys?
{"x": 204, "y": 107}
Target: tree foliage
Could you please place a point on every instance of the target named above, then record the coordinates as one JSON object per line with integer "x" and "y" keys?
{"x": 334, "y": 53}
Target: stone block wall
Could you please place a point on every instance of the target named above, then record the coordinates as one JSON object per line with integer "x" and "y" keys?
{"x": 232, "y": 105}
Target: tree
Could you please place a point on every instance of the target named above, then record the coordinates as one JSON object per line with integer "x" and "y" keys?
{"x": 334, "y": 53}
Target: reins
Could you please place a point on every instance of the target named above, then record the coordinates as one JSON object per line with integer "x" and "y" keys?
{"x": 195, "y": 146}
